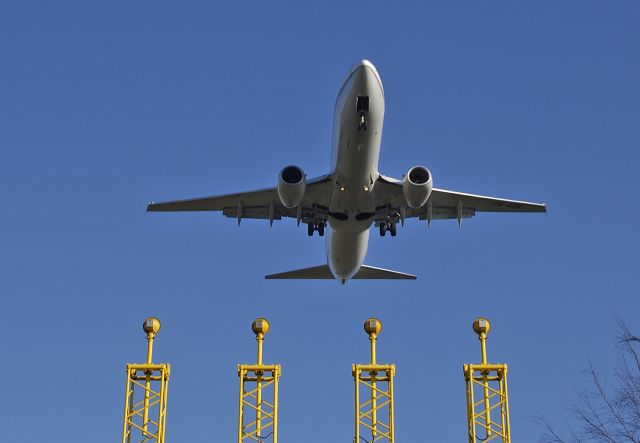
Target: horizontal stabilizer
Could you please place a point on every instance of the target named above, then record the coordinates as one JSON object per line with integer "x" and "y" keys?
{"x": 315, "y": 273}
{"x": 324, "y": 273}
{"x": 373, "y": 273}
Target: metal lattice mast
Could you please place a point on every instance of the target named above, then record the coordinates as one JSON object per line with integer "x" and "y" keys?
{"x": 487, "y": 395}
{"x": 145, "y": 405}
{"x": 373, "y": 394}
{"x": 258, "y": 395}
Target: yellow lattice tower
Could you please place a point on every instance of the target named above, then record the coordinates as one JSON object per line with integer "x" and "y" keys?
{"x": 145, "y": 404}
{"x": 374, "y": 394}
{"x": 258, "y": 414}
{"x": 487, "y": 395}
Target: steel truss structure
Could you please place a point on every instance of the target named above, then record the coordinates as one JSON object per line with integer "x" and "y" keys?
{"x": 145, "y": 408}
{"x": 487, "y": 395}
{"x": 258, "y": 402}
{"x": 374, "y": 408}
{"x": 147, "y": 384}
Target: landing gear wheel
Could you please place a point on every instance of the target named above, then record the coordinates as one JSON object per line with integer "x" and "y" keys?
{"x": 383, "y": 229}
{"x": 392, "y": 229}
{"x": 321, "y": 229}
{"x": 362, "y": 126}
{"x": 310, "y": 229}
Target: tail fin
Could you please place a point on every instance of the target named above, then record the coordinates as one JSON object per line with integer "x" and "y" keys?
{"x": 324, "y": 273}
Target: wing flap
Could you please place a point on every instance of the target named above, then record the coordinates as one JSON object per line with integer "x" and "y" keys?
{"x": 446, "y": 214}
{"x": 258, "y": 212}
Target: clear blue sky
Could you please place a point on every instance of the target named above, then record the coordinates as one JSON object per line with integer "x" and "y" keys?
{"x": 105, "y": 107}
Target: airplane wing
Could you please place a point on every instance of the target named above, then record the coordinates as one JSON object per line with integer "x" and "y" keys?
{"x": 442, "y": 204}
{"x": 261, "y": 204}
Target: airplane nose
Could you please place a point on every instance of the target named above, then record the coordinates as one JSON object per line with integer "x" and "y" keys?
{"x": 365, "y": 63}
{"x": 361, "y": 67}
{"x": 365, "y": 73}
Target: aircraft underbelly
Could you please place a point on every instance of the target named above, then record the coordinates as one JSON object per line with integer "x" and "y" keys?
{"x": 356, "y": 149}
{"x": 357, "y": 134}
{"x": 346, "y": 252}
{"x": 358, "y": 119}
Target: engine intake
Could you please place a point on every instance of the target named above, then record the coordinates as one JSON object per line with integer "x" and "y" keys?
{"x": 417, "y": 186}
{"x": 291, "y": 186}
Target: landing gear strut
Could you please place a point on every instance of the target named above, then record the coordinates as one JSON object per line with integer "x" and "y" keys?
{"x": 311, "y": 228}
{"x": 391, "y": 227}
{"x": 320, "y": 229}
{"x": 362, "y": 108}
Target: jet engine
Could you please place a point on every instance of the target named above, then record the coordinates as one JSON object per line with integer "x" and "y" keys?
{"x": 291, "y": 186}
{"x": 416, "y": 186}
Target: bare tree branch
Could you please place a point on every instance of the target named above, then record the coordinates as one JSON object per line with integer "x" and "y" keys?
{"x": 607, "y": 415}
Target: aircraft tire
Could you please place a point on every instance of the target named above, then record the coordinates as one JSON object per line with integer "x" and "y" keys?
{"x": 321, "y": 229}
{"x": 310, "y": 229}
{"x": 383, "y": 229}
{"x": 392, "y": 229}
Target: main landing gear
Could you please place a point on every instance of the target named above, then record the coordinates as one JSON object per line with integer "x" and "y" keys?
{"x": 391, "y": 227}
{"x": 311, "y": 228}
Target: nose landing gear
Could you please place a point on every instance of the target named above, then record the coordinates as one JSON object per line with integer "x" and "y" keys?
{"x": 362, "y": 108}
{"x": 311, "y": 228}
{"x": 362, "y": 125}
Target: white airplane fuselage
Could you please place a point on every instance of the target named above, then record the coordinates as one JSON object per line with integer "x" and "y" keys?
{"x": 354, "y": 164}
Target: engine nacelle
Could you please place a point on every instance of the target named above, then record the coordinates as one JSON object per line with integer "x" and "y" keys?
{"x": 291, "y": 186}
{"x": 417, "y": 186}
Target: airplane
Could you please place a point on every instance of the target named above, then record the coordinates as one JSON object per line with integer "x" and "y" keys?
{"x": 354, "y": 195}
